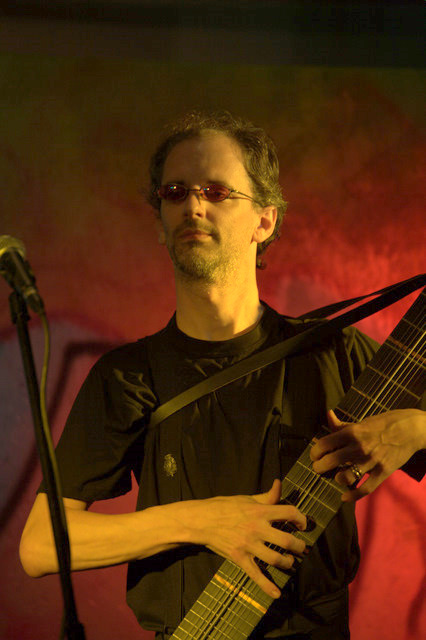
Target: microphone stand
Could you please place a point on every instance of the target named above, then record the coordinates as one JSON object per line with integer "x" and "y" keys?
{"x": 73, "y": 629}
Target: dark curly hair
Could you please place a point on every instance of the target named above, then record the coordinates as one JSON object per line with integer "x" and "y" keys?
{"x": 259, "y": 158}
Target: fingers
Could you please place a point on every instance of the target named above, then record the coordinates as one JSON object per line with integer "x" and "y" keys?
{"x": 375, "y": 478}
{"x": 270, "y": 556}
{"x": 272, "y": 496}
{"x": 288, "y": 513}
{"x": 340, "y": 457}
{"x": 333, "y": 420}
{"x": 333, "y": 443}
{"x": 245, "y": 528}
{"x": 350, "y": 475}
{"x": 280, "y": 512}
{"x": 256, "y": 574}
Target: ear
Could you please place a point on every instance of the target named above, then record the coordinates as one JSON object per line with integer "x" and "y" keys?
{"x": 160, "y": 230}
{"x": 266, "y": 224}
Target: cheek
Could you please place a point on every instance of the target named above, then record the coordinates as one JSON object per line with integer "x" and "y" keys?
{"x": 161, "y": 236}
{"x": 161, "y": 229}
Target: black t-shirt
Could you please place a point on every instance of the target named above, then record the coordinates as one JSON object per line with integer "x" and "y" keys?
{"x": 236, "y": 440}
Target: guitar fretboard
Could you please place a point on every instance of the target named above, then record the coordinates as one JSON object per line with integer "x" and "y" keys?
{"x": 232, "y": 605}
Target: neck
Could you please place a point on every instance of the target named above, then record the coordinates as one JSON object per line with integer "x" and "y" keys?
{"x": 215, "y": 311}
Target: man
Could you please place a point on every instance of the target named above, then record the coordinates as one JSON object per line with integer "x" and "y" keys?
{"x": 208, "y": 474}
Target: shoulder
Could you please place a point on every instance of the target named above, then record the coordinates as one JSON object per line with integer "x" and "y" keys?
{"x": 125, "y": 354}
{"x": 132, "y": 355}
{"x": 353, "y": 338}
{"x": 346, "y": 348}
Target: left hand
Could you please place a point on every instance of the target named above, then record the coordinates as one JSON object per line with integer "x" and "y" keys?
{"x": 377, "y": 446}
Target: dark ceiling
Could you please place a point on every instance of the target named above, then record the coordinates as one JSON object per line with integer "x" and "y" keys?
{"x": 269, "y": 31}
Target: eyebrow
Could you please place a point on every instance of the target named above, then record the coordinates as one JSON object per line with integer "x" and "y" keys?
{"x": 225, "y": 183}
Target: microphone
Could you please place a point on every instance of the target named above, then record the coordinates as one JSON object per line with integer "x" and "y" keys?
{"x": 18, "y": 273}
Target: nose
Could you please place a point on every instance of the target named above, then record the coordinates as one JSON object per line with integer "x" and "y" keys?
{"x": 194, "y": 205}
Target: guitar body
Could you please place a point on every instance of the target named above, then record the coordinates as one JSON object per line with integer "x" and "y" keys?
{"x": 232, "y": 605}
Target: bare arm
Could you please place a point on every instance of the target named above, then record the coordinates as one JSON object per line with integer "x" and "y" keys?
{"x": 236, "y": 527}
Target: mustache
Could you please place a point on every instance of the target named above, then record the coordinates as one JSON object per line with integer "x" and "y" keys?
{"x": 192, "y": 225}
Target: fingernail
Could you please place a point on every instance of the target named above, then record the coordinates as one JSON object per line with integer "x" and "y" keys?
{"x": 276, "y": 593}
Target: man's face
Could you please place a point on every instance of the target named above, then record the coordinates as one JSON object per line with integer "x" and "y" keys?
{"x": 206, "y": 240}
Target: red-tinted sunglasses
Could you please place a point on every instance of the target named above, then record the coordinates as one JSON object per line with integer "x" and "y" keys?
{"x": 212, "y": 193}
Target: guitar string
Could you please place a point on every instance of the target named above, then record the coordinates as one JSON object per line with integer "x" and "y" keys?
{"x": 237, "y": 579}
{"x": 248, "y": 585}
{"x": 390, "y": 355}
{"x": 391, "y": 394}
{"x": 382, "y": 391}
{"x": 384, "y": 394}
{"x": 238, "y": 607}
{"x": 387, "y": 392}
{"x": 223, "y": 599}
{"x": 388, "y": 396}
{"x": 408, "y": 334}
{"x": 413, "y": 355}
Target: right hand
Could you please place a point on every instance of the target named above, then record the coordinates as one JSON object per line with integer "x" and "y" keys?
{"x": 239, "y": 528}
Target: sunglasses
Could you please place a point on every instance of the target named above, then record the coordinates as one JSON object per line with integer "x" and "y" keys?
{"x": 212, "y": 193}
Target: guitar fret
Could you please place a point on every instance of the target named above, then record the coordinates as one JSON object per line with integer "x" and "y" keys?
{"x": 228, "y": 589}
{"x": 242, "y": 621}
{"x": 306, "y": 464}
{"x": 392, "y": 381}
{"x": 405, "y": 320}
{"x": 250, "y": 587}
{"x": 240, "y": 594}
{"x": 206, "y": 624}
{"x": 372, "y": 400}
{"x": 410, "y": 354}
{"x": 326, "y": 506}
{"x": 350, "y": 416}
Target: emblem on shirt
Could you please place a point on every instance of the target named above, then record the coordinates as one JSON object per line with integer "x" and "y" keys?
{"x": 170, "y": 466}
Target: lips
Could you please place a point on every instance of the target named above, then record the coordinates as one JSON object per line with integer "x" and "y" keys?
{"x": 193, "y": 234}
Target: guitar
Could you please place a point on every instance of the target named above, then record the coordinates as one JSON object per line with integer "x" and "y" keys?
{"x": 232, "y": 604}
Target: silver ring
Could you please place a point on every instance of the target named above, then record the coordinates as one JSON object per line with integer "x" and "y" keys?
{"x": 356, "y": 471}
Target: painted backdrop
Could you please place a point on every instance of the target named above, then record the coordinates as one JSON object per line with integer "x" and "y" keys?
{"x": 75, "y": 138}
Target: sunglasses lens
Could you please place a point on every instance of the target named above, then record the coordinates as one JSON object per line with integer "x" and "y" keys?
{"x": 172, "y": 192}
{"x": 216, "y": 192}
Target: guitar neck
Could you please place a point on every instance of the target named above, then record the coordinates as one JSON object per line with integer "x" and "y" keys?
{"x": 232, "y": 604}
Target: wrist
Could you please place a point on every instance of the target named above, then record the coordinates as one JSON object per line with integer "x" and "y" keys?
{"x": 177, "y": 521}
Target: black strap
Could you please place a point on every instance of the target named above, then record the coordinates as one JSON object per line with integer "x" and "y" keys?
{"x": 335, "y": 307}
{"x": 297, "y": 343}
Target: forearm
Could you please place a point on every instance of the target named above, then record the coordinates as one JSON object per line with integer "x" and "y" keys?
{"x": 97, "y": 539}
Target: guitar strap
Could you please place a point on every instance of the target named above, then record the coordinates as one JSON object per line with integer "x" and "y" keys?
{"x": 322, "y": 330}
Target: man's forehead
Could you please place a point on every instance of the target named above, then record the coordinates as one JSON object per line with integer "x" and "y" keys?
{"x": 207, "y": 149}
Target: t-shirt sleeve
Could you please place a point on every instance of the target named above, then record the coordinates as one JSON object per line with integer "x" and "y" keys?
{"x": 103, "y": 436}
{"x": 361, "y": 349}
